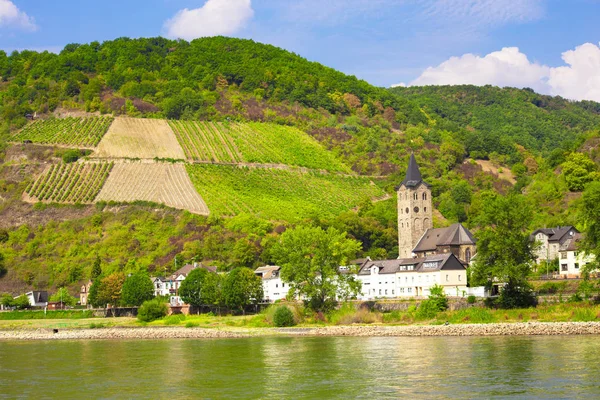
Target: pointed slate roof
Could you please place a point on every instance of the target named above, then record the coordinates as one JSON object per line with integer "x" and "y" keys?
{"x": 454, "y": 235}
{"x": 413, "y": 174}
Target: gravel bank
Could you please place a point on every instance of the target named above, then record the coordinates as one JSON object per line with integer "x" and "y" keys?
{"x": 525, "y": 328}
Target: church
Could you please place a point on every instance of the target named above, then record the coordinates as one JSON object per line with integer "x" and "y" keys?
{"x": 416, "y": 235}
{"x": 427, "y": 256}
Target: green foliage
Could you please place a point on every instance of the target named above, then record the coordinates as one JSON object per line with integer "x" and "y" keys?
{"x": 516, "y": 295}
{"x": 21, "y": 302}
{"x": 428, "y": 309}
{"x": 59, "y": 314}
{"x": 96, "y": 268}
{"x": 137, "y": 289}
{"x": 438, "y": 297}
{"x": 278, "y": 194}
{"x": 579, "y": 170}
{"x": 71, "y": 156}
{"x": 152, "y": 310}
{"x": 174, "y": 319}
{"x": 551, "y": 287}
{"x": 201, "y": 288}
{"x": 241, "y": 288}
{"x": 63, "y": 296}
{"x": 310, "y": 258}
{"x": 471, "y": 299}
{"x": 3, "y": 269}
{"x": 109, "y": 290}
{"x": 590, "y": 217}
{"x": 283, "y": 317}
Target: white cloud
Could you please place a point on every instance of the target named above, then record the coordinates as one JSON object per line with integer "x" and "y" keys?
{"x": 11, "y": 16}
{"x": 215, "y": 17}
{"x": 401, "y": 84}
{"x": 578, "y": 80}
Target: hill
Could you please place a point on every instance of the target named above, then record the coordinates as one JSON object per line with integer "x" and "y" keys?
{"x": 266, "y": 139}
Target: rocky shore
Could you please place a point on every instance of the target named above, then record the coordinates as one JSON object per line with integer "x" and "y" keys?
{"x": 508, "y": 329}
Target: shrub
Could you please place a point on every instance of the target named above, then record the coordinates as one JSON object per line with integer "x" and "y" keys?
{"x": 283, "y": 317}
{"x": 471, "y": 299}
{"x": 152, "y": 310}
{"x": 191, "y": 324}
{"x": 427, "y": 310}
{"x": 71, "y": 156}
{"x": 174, "y": 319}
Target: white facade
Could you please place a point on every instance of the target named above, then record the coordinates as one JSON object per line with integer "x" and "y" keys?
{"x": 37, "y": 299}
{"x": 273, "y": 287}
{"x": 571, "y": 262}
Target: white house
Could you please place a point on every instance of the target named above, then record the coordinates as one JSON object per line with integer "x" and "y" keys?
{"x": 37, "y": 298}
{"x": 170, "y": 285}
{"x": 273, "y": 287}
{"x": 552, "y": 241}
{"x": 411, "y": 277}
{"x": 572, "y": 260}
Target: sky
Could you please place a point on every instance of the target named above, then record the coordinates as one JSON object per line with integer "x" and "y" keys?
{"x": 552, "y": 46}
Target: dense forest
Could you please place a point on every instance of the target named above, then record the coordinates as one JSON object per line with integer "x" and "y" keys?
{"x": 470, "y": 141}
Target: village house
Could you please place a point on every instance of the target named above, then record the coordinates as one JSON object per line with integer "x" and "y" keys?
{"x": 551, "y": 241}
{"x": 273, "y": 287}
{"x": 84, "y": 293}
{"x": 170, "y": 285}
{"x": 572, "y": 260}
{"x": 37, "y": 298}
{"x": 412, "y": 277}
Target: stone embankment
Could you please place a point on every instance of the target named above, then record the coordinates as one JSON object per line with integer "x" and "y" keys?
{"x": 508, "y": 329}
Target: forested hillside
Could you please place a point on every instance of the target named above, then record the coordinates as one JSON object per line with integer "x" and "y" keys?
{"x": 470, "y": 141}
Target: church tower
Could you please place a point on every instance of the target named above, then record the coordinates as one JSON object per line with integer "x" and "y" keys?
{"x": 414, "y": 209}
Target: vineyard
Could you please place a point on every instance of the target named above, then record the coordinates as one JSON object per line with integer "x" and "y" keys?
{"x": 278, "y": 194}
{"x": 163, "y": 183}
{"x": 253, "y": 143}
{"x": 70, "y": 131}
{"x": 69, "y": 183}
{"x": 139, "y": 138}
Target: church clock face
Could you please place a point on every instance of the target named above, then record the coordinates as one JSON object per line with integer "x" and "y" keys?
{"x": 416, "y": 209}
{"x": 407, "y": 210}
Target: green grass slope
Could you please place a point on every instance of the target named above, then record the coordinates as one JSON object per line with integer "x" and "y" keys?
{"x": 278, "y": 194}
{"x": 70, "y": 131}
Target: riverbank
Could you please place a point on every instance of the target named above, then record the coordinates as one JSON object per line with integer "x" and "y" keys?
{"x": 502, "y": 329}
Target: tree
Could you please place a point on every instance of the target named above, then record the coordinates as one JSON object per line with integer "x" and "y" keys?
{"x": 579, "y": 170}
{"x": 241, "y": 288}
{"x": 6, "y": 300}
{"x": 110, "y": 289}
{"x": 62, "y": 296}
{"x": 504, "y": 251}
{"x": 93, "y": 293}
{"x": 152, "y": 310}
{"x": 96, "y": 268}
{"x": 21, "y": 302}
{"x": 590, "y": 218}
{"x": 2, "y": 267}
{"x": 310, "y": 260}
{"x": 200, "y": 288}
{"x": 137, "y": 289}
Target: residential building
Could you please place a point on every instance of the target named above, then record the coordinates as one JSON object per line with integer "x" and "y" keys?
{"x": 412, "y": 277}
{"x": 84, "y": 293}
{"x": 571, "y": 259}
{"x": 551, "y": 241}
{"x": 37, "y": 298}
{"x": 273, "y": 287}
{"x": 170, "y": 285}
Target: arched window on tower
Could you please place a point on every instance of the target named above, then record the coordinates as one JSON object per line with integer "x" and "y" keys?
{"x": 468, "y": 256}
{"x": 416, "y": 196}
{"x": 424, "y": 196}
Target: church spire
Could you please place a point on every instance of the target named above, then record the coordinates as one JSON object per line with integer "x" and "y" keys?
{"x": 413, "y": 174}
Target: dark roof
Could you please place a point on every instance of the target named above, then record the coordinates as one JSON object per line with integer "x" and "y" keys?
{"x": 40, "y": 296}
{"x": 186, "y": 269}
{"x": 413, "y": 174}
{"x": 555, "y": 234}
{"x": 574, "y": 242}
{"x": 454, "y": 235}
{"x": 435, "y": 262}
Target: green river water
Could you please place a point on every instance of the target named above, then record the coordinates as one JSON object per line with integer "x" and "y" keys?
{"x": 302, "y": 368}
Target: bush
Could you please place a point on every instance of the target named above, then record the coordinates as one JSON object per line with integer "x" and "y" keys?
{"x": 516, "y": 296}
{"x": 71, "y": 156}
{"x": 283, "y": 317}
{"x": 427, "y": 310}
{"x": 471, "y": 299}
{"x": 152, "y": 310}
{"x": 174, "y": 319}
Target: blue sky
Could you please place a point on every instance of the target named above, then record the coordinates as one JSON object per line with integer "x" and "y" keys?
{"x": 385, "y": 42}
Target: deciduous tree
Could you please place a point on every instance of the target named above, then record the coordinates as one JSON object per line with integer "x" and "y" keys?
{"x": 201, "y": 288}
{"x": 137, "y": 289}
{"x": 241, "y": 288}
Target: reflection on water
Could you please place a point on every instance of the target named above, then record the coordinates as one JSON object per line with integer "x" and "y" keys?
{"x": 274, "y": 368}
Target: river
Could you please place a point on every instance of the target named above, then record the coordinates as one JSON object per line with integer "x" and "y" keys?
{"x": 304, "y": 367}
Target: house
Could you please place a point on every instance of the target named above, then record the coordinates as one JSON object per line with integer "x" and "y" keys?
{"x": 552, "y": 241}
{"x": 273, "y": 287}
{"x": 455, "y": 239}
{"x": 84, "y": 293}
{"x": 572, "y": 259}
{"x": 170, "y": 285}
{"x": 37, "y": 298}
{"x": 416, "y": 235}
{"x": 412, "y": 277}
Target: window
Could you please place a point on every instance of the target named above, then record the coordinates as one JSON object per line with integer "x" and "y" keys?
{"x": 468, "y": 256}
{"x": 576, "y": 265}
{"x": 409, "y": 290}
{"x": 563, "y": 255}
{"x": 576, "y": 253}
{"x": 563, "y": 267}
{"x": 283, "y": 285}
{"x": 392, "y": 291}
{"x": 447, "y": 278}
{"x": 424, "y": 196}
{"x": 459, "y": 277}
{"x": 379, "y": 291}
{"x": 385, "y": 291}
{"x": 277, "y": 285}
{"x": 407, "y": 210}
{"x": 424, "y": 209}
{"x": 416, "y": 196}
{"x": 416, "y": 209}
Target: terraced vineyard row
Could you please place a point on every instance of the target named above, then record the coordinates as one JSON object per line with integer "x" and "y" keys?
{"x": 278, "y": 194}
{"x": 157, "y": 182}
{"x": 70, "y": 131}
{"x": 253, "y": 143}
{"x": 70, "y": 183}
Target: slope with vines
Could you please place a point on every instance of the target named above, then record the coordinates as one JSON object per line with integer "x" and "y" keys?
{"x": 70, "y": 131}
